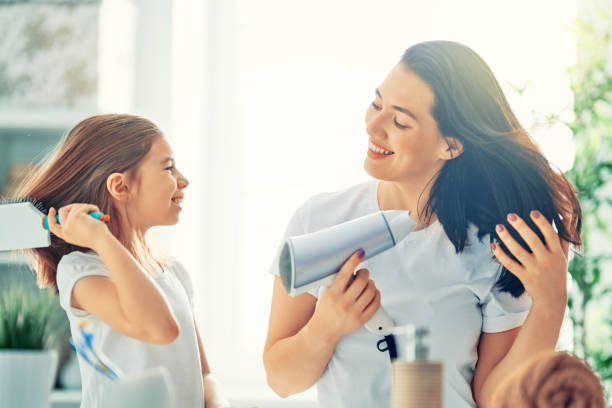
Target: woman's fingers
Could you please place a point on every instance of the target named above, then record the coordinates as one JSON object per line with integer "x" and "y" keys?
{"x": 567, "y": 222}
{"x": 550, "y": 235}
{"x": 346, "y": 272}
{"x": 357, "y": 285}
{"x": 531, "y": 238}
{"x": 366, "y": 296}
{"x": 372, "y": 307}
{"x": 514, "y": 247}
{"x": 517, "y": 269}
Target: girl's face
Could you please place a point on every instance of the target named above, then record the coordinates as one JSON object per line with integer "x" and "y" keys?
{"x": 158, "y": 192}
{"x": 405, "y": 144}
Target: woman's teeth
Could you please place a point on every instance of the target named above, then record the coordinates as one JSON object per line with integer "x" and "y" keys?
{"x": 177, "y": 200}
{"x": 379, "y": 149}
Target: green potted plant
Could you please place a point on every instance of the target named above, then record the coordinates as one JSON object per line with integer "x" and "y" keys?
{"x": 29, "y": 326}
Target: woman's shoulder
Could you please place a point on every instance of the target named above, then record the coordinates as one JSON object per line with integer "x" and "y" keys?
{"x": 339, "y": 206}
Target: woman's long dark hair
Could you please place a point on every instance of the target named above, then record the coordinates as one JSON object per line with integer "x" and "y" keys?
{"x": 500, "y": 170}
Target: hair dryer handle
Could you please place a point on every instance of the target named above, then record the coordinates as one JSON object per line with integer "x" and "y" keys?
{"x": 381, "y": 323}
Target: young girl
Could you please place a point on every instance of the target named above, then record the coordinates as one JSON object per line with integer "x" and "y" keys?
{"x": 444, "y": 144}
{"x": 140, "y": 305}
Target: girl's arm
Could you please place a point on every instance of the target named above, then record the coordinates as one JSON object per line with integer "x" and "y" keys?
{"x": 543, "y": 273}
{"x": 130, "y": 301}
{"x": 213, "y": 391}
{"x": 302, "y": 334}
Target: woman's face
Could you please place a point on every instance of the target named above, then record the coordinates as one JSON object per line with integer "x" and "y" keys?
{"x": 405, "y": 144}
{"x": 159, "y": 189}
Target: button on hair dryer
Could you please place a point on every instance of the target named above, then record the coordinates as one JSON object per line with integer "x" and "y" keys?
{"x": 313, "y": 260}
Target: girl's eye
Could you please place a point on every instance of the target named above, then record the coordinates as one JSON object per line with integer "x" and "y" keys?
{"x": 169, "y": 168}
{"x": 375, "y": 106}
{"x": 399, "y": 125}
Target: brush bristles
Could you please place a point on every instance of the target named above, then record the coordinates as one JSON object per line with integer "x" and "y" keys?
{"x": 40, "y": 206}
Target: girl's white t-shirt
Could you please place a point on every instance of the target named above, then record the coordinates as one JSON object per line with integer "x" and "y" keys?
{"x": 424, "y": 282}
{"x": 181, "y": 358}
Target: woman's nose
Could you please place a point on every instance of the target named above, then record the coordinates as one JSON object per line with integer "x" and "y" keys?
{"x": 374, "y": 124}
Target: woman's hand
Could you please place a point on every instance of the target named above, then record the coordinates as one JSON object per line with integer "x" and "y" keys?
{"x": 346, "y": 304}
{"x": 542, "y": 272}
{"x": 76, "y": 226}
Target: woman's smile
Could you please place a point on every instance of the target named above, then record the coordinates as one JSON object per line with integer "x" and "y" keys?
{"x": 377, "y": 152}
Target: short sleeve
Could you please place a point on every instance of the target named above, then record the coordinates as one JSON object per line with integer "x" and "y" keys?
{"x": 72, "y": 267}
{"x": 296, "y": 226}
{"x": 501, "y": 311}
{"x": 185, "y": 279}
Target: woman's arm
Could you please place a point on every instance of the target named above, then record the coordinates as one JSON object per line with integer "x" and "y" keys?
{"x": 130, "y": 301}
{"x": 543, "y": 272}
{"x": 500, "y": 354}
{"x": 213, "y": 391}
{"x": 302, "y": 335}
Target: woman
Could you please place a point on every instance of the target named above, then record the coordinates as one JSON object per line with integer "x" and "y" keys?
{"x": 445, "y": 145}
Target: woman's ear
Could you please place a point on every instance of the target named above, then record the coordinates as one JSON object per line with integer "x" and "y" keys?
{"x": 453, "y": 149}
{"x": 116, "y": 184}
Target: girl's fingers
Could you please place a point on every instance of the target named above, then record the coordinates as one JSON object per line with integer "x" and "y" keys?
{"x": 54, "y": 227}
{"x": 509, "y": 263}
{"x": 64, "y": 212}
{"x": 514, "y": 247}
{"x": 73, "y": 210}
{"x": 550, "y": 235}
{"x": 85, "y": 209}
{"x": 531, "y": 238}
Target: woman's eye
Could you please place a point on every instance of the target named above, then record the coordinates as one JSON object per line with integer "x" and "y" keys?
{"x": 169, "y": 168}
{"x": 375, "y": 106}
{"x": 399, "y": 125}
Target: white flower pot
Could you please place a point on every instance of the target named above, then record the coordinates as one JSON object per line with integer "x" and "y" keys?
{"x": 26, "y": 377}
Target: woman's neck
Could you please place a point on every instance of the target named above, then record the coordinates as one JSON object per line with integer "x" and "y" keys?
{"x": 412, "y": 197}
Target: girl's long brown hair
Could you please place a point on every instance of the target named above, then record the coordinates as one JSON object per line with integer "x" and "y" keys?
{"x": 76, "y": 172}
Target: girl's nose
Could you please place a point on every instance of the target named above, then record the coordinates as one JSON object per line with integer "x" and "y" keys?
{"x": 183, "y": 182}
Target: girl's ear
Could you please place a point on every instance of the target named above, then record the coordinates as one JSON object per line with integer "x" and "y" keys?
{"x": 116, "y": 185}
{"x": 453, "y": 148}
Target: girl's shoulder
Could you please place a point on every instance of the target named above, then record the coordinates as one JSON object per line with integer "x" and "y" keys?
{"x": 80, "y": 259}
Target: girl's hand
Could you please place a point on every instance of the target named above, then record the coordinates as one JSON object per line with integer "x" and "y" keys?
{"x": 76, "y": 226}
{"x": 349, "y": 302}
{"x": 542, "y": 272}
{"x": 213, "y": 393}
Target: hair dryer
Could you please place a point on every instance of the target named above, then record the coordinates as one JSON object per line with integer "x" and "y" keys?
{"x": 313, "y": 260}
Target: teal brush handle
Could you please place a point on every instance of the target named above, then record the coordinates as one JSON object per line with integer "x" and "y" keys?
{"x": 96, "y": 214}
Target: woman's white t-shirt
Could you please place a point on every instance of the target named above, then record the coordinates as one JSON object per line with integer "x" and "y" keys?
{"x": 424, "y": 282}
{"x": 181, "y": 358}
